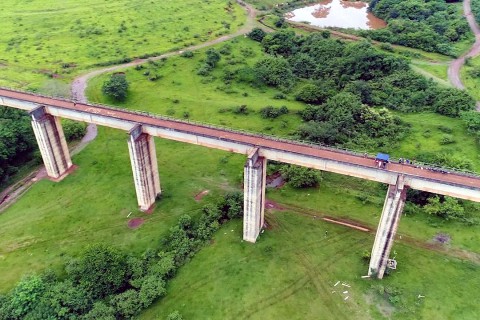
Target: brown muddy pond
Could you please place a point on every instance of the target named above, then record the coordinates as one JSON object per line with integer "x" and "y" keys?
{"x": 337, "y": 13}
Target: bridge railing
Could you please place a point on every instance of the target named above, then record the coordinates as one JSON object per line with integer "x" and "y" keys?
{"x": 319, "y": 146}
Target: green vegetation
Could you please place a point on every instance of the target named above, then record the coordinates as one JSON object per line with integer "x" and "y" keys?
{"x": 291, "y": 272}
{"x": 44, "y": 40}
{"x": 104, "y": 282}
{"x": 475, "y": 6}
{"x": 470, "y": 75}
{"x": 17, "y": 142}
{"x": 233, "y": 96}
{"x": 116, "y": 87}
{"x": 431, "y": 26}
{"x": 90, "y": 211}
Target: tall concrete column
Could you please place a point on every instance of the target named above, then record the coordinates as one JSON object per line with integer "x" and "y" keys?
{"x": 392, "y": 210}
{"x": 51, "y": 142}
{"x": 144, "y": 167}
{"x": 254, "y": 195}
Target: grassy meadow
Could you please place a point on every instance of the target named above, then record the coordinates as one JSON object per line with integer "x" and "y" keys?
{"x": 41, "y": 40}
{"x": 291, "y": 271}
{"x": 470, "y": 75}
{"x": 54, "y": 221}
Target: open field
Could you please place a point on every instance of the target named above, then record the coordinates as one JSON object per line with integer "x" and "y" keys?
{"x": 291, "y": 272}
{"x": 42, "y": 40}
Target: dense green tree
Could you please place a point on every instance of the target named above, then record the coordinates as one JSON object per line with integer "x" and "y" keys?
{"x": 100, "y": 311}
{"x": 452, "y": 102}
{"x": 257, "y": 34}
{"x": 300, "y": 177}
{"x": 274, "y": 71}
{"x": 61, "y": 301}
{"x": 23, "y": 298}
{"x": 448, "y": 208}
{"x": 101, "y": 271}
{"x": 116, "y": 86}
{"x": 126, "y": 304}
{"x": 213, "y": 57}
{"x": 73, "y": 130}
{"x": 17, "y": 142}
{"x": 428, "y": 25}
{"x": 280, "y": 43}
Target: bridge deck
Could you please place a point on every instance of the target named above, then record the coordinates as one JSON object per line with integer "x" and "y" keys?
{"x": 236, "y": 141}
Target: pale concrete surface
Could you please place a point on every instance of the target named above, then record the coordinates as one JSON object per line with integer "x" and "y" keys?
{"x": 392, "y": 210}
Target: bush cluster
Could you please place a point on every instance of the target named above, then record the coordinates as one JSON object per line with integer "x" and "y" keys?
{"x": 428, "y": 25}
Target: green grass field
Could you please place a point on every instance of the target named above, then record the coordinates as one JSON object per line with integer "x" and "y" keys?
{"x": 44, "y": 39}
{"x": 470, "y": 77}
{"x": 291, "y": 272}
{"x": 54, "y": 221}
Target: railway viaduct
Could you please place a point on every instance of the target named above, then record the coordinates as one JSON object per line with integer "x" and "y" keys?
{"x": 142, "y": 128}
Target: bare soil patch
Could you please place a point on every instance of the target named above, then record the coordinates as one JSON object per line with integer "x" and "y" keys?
{"x": 347, "y": 223}
{"x": 442, "y": 238}
{"x": 135, "y": 223}
{"x": 200, "y": 195}
{"x": 269, "y": 204}
{"x": 275, "y": 180}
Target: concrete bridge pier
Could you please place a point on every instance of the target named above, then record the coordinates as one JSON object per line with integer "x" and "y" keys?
{"x": 392, "y": 210}
{"x": 254, "y": 195}
{"x": 51, "y": 142}
{"x": 144, "y": 167}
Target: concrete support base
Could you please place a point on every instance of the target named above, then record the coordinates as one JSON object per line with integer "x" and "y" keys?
{"x": 51, "y": 142}
{"x": 392, "y": 210}
{"x": 254, "y": 196}
{"x": 144, "y": 166}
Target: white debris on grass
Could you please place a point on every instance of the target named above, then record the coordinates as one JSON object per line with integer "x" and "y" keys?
{"x": 420, "y": 296}
{"x": 345, "y": 298}
{"x": 345, "y": 285}
{"x": 129, "y": 214}
{"x": 345, "y": 292}
{"x": 336, "y": 283}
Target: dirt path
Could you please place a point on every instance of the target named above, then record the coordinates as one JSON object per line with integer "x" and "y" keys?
{"x": 402, "y": 238}
{"x": 456, "y": 65}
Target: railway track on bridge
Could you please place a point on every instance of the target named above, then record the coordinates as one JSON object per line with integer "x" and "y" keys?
{"x": 126, "y": 120}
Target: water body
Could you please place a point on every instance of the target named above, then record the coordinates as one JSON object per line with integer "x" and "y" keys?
{"x": 337, "y": 13}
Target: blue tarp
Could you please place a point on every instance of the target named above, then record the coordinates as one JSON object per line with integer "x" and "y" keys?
{"x": 382, "y": 157}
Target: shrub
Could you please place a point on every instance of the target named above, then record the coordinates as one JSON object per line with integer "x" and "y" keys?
{"x": 447, "y": 139}
{"x": 270, "y": 112}
{"x": 73, "y": 130}
{"x": 175, "y": 315}
{"x": 257, "y": 34}
{"x": 116, "y": 87}
{"x": 186, "y": 54}
{"x": 300, "y": 177}
{"x": 243, "y": 109}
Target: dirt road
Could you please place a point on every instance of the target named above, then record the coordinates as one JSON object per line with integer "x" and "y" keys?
{"x": 456, "y": 65}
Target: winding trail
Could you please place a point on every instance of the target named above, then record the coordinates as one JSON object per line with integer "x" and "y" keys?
{"x": 456, "y": 65}
{"x": 79, "y": 84}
